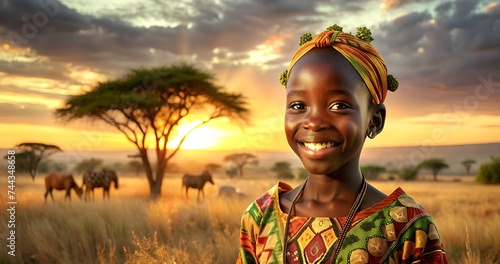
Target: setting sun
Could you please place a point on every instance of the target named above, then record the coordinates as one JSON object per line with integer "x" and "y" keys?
{"x": 203, "y": 137}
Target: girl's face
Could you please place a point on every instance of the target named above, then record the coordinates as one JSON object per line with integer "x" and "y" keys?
{"x": 328, "y": 111}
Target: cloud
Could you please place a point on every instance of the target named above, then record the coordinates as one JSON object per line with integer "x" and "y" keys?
{"x": 438, "y": 50}
{"x": 19, "y": 114}
{"x": 393, "y": 4}
{"x": 440, "y": 55}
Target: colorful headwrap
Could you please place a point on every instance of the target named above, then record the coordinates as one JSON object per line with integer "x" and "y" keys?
{"x": 358, "y": 51}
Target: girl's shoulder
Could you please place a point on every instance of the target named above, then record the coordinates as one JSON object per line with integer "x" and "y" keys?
{"x": 267, "y": 203}
{"x": 397, "y": 229}
{"x": 396, "y": 205}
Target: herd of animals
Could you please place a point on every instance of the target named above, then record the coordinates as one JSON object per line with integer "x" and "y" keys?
{"x": 91, "y": 180}
{"x": 105, "y": 178}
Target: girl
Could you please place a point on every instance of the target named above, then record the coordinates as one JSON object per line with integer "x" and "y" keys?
{"x": 335, "y": 88}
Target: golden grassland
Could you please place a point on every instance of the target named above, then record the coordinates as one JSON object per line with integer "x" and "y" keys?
{"x": 132, "y": 229}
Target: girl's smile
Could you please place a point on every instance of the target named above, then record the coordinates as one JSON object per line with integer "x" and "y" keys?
{"x": 317, "y": 149}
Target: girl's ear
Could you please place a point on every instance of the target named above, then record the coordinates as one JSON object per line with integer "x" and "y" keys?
{"x": 377, "y": 121}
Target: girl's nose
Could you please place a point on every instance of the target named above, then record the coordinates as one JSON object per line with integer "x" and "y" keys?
{"x": 316, "y": 120}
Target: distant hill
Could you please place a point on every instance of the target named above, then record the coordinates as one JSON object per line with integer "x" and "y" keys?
{"x": 387, "y": 157}
{"x": 452, "y": 154}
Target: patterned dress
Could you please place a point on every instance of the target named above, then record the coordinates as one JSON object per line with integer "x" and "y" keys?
{"x": 396, "y": 230}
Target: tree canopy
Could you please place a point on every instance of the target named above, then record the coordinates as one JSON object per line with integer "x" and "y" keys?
{"x": 468, "y": 164}
{"x": 435, "y": 165}
{"x": 31, "y": 154}
{"x": 240, "y": 160}
{"x": 151, "y": 103}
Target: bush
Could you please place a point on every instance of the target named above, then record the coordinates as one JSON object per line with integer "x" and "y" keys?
{"x": 46, "y": 166}
{"x": 408, "y": 173}
{"x": 88, "y": 165}
{"x": 283, "y": 169}
{"x": 489, "y": 173}
{"x": 371, "y": 172}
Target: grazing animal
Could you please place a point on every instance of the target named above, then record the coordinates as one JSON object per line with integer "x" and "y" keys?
{"x": 230, "y": 191}
{"x": 102, "y": 179}
{"x": 55, "y": 181}
{"x": 196, "y": 182}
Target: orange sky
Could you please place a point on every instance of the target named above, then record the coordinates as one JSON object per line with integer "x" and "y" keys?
{"x": 264, "y": 133}
{"x": 449, "y": 86}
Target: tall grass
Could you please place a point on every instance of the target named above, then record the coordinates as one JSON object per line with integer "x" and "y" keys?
{"x": 132, "y": 229}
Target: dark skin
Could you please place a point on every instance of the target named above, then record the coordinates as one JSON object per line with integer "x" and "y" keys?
{"x": 328, "y": 117}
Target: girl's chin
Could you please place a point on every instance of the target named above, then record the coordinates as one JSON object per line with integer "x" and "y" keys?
{"x": 318, "y": 168}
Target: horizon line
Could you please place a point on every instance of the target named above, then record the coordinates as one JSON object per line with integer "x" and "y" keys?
{"x": 277, "y": 150}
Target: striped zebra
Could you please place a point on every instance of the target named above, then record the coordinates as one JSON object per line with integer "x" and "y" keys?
{"x": 102, "y": 179}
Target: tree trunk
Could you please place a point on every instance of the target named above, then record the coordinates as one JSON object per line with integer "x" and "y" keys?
{"x": 155, "y": 190}
{"x": 154, "y": 184}
{"x": 33, "y": 173}
{"x": 240, "y": 171}
{"x": 155, "y": 187}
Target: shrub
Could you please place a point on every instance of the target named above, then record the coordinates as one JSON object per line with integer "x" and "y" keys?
{"x": 489, "y": 172}
{"x": 408, "y": 173}
{"x": 371, "y": 172}
{"x": 283, "y": 169}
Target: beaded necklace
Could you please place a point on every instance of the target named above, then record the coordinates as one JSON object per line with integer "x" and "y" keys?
{"x": 343, "y": 232}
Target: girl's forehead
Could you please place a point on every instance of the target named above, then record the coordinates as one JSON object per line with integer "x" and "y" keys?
{"x": 323, "y": 64}
{"x": 325, "y": 71}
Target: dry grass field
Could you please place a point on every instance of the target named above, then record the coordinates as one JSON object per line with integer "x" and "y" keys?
{"x": 131, "y": 229}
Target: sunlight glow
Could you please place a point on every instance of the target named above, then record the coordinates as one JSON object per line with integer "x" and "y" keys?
{"x": 268, "y": 51}
{"x": 15, "y": 54}
{"x": 438, "y": 129}
{"x": 491, "y": 8}
{"x": 203, "y": 137}
{"x": 85, "y": 75}
{"x": 15, "y": 99}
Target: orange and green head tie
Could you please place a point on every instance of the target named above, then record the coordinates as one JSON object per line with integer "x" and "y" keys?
{"x": 358, "y": 51}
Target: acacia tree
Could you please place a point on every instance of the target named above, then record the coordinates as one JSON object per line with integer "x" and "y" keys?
{"x": 435, "y": 165}
{"x": 151, "y": 103}
{"x": 34, "y": 153}
{"x": 213, "y": 167}
{"x": 240, "y": 160}
{"x": 468, "y": 164}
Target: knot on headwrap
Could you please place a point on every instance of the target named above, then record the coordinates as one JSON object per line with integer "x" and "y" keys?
{"x": 360, "y": 53}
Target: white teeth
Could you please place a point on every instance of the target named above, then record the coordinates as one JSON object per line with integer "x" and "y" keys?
{"x": 318, "y": 146}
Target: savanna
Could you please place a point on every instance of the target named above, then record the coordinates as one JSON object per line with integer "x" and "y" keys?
{"x": 131, "y": 228}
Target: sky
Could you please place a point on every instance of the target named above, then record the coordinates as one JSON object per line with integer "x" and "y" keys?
{"x": 445, "y": 54}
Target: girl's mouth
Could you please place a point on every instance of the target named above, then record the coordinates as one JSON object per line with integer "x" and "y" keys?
{"x": 318, "y": 146}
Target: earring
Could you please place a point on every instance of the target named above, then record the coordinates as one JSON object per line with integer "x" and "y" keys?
{"x": 372, "y": 134}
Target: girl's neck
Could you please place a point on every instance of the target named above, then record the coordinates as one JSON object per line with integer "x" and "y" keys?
{"x": 331, "y": 188}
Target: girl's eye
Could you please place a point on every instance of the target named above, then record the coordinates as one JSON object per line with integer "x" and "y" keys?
{"x": 297, "y": 106}
{"x": 339, "y": 106}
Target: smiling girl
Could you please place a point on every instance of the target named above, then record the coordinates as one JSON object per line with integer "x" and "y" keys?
{"x": 335, "y": 88}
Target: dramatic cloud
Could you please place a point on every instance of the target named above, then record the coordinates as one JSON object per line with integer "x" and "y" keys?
{"x": 442, "y": 55}
{"x": 445, "y": 54}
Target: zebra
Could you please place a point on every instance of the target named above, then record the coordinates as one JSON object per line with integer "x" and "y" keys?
{"x": 102, "y": 179}
{"x": 196, "y": 182}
